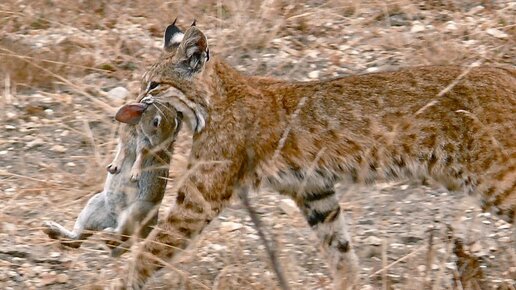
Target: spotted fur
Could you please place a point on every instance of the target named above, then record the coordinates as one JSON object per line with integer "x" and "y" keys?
{"x": 301, "y": 138}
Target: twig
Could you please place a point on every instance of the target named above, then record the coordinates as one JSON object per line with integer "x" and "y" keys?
{"x": 243, "y": 194}
{"x": 397, "y": 261}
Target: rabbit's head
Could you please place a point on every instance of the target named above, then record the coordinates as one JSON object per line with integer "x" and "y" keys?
{"x": 157, "y": 120}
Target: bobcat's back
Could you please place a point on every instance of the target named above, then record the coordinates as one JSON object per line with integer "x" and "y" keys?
{"x": 404, "y": 123}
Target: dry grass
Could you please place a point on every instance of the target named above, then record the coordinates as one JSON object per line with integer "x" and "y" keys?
{"x": 59, "y": 58}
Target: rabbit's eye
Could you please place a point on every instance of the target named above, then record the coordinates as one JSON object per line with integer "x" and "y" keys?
{"x": 155, "y": 122}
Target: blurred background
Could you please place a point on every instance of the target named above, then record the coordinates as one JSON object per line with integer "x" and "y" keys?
{"x": 66, "y": 66}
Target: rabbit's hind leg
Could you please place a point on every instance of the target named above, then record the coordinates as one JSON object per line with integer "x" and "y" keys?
{"x": 94, "y": 217}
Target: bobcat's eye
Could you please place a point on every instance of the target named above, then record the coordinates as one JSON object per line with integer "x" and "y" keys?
{"x": 152, "y": 86}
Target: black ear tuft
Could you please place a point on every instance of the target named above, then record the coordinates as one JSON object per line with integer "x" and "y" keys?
{"x": 173, "y": 36}
{"x": 194, "y": 22}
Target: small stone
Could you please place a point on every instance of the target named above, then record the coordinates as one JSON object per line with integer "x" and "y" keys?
{"x": 253, "y": 236}
{"x": 8, "y": 227}
{"x": 12, "y": 274}
{"x": 372, "y": 69}
{"x": 313, "y": 74}
{"x": 374, "y": 241}
{"x": 450, "y": 26}
{"x": 118, "y": 93}
{"x": 451, "y": 266}
{"x": 207, "y": 259}
{"x": 496, "y": 33}
{"x": 3, "y": 152}
{"x": 397, "y": 246}
{"x": 10, "y": 127}
{"x": 476, "y": 247}
{"x": 38, "y": 269}
{"x": 49, "y": 112}
{"x": 504, "y": 239}
{"x": 289, "y": 207}
{"x": 366, "y": 222}
{"x": 47, "y": 279}
{"x": 421, "y": 268}
{"x": 344, "y": 47}
{"x": 512, "y": 270}
{"x": 218, "y": 247}
{"x": 398, "y": 20}
{"x": 229, "y": 226}
{"x": 411, "y": 240}
{"x": 312, "y": 53}
{"x": 417, "y": 27}
{"x": 55, "y": 254}
{"x": 475, "y": 10}
{"x": 62, "y": 278}
{"x": 504, "y": 226}
{"x": 70, "y": 164}
{"x": 404, "y": 186}
{"x": 58, "y": 148}
{"x": 34, "y": 143}
{"x": 486, "y": 222}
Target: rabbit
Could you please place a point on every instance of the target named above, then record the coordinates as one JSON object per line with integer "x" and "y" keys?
{"x": 129, "y": 205}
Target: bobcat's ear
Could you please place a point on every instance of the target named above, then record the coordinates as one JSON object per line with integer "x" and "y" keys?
{"x": 131, "y": 113}
{"x": 173, "y": 36}
{"x": 193, "y": 51}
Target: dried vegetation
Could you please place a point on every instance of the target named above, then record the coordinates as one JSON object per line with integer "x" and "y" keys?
{"x": 66, "y": 65}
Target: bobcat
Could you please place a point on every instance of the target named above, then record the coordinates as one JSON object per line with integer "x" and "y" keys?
{"x": 451, "y": 124}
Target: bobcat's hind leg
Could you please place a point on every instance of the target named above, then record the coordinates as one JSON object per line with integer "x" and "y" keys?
{"x": 321, "y": 209}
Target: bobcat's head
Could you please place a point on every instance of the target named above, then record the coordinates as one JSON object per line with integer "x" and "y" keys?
{"x": 176, "y": 74}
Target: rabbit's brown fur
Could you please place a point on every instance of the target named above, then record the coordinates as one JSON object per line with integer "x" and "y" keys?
{"x": 303, "y": 137}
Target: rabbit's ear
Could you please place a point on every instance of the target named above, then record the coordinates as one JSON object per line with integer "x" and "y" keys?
{"x": 131, "y": 113}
